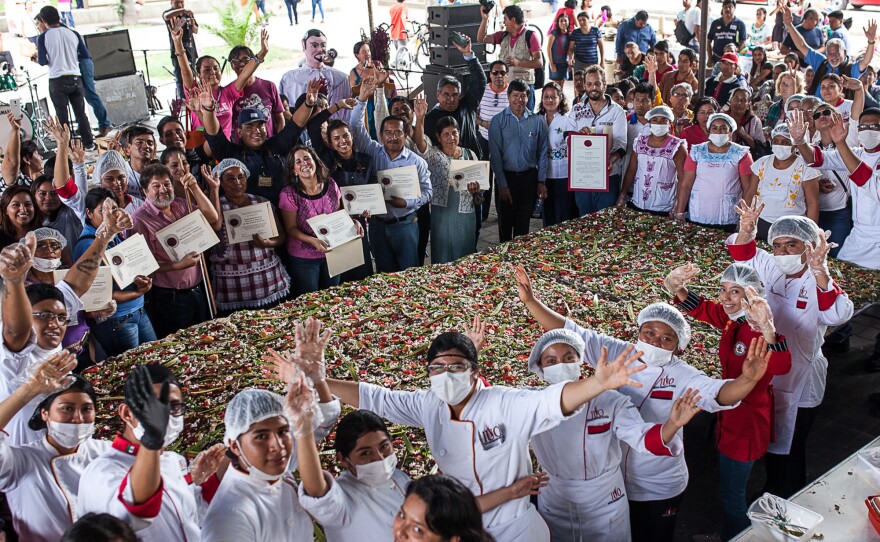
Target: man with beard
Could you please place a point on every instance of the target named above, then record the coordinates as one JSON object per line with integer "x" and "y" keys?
{"x": 177, "y": 299}
{"x": 600, "y": 115}
{"x": 334, "y": 83}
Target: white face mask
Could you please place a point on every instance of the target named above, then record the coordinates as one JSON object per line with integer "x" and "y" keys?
{"x": 783, "y": 152}
{"x": 47, "y": 265}
{"x": 789, "y": 264}
{"x": 256, "y": 473}
{"x": 377, "y": 473}
{"x": 562, "y": 372}
{"x": 737, "y": 315}
{"x": 175, "y": 427}
{"x": 869, "y": 139}
{"x": 719, "y": 140}
{"x": 69, "y": 435}
{"x": 659, "y": 129}
{"x": 654, "y": 356}
{"x": 451, "y": 388}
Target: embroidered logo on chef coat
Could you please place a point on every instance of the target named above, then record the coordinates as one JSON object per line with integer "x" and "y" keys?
{"x": 660, "y": 389}
{"x": 616, "y": 495}
{"x": 802, "y": 298}
{"x": 739, "y": 348}
{"x": 598, "y": 414}
{"x": 491, "y": 437}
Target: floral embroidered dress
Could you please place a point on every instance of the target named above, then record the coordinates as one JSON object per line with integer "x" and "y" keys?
{"x": 453, "y": 222}
{"x": 781, "y": 190}
{"x": 717, "y": 186}
{"x": 654, "y": 186}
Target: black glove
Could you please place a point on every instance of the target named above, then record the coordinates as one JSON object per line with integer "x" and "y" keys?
{"x": 151, "y": 412}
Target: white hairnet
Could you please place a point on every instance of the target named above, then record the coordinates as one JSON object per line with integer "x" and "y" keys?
{"x": 799, "y": 227}
{"x": 42, "y": 234}
{"x": 109, "y": 161}
{"x": 660, "y": 111}
{"x": 722, "y": 116}
{"x": 669, "y": 315}
{"x": 794, "y": 98}
{"x": 781, "y": 129}
{"x": 227, "y": 163}
{"x": 554, "y": 336}
{"x": 248, "y": 407}
{"x": 743, "y": 275}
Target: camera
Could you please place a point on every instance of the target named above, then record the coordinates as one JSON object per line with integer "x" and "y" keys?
{"x": 487, "y": 5}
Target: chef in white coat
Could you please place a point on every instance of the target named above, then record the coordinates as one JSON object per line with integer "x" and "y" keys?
{"x": 480, "y": 435}
{"x": 585, "y": 499}
{"x": 804, "y": 300}
{"x": 140, "y": 482}
{"x": 41, "y": 479}
{"x": 654, "y": 484}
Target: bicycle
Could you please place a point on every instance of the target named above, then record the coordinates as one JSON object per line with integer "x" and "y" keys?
{"x": 405, "y": 57}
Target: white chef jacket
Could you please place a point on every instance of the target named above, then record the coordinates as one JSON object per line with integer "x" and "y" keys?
{"x": 487, "y": 449}
{"x": 651, "y": 477}
{"x": 41, "y": 485}
{"x": 585, "y": 499}
{"x": 171, "y": 514}
{"x": 802, "y": 313}
{"x": 862, "y": 245}
{"x": 249, "y": 509}
{"x": 353, "y": 510}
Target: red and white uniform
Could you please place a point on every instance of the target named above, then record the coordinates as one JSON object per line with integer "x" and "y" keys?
{"x": 651, "y": 477}
{"x": 487, "y": 448}
{"x": 743, "y": 433}
{"x": 586, "y": 499}
{"x": 802, "y": 312}
{"x": 173, "y": 513}
{"x": 862, "y": 246}
{"x": 42, "y": 486}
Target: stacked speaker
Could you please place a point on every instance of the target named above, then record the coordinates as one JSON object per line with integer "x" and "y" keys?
{"x": 443, "y": 22}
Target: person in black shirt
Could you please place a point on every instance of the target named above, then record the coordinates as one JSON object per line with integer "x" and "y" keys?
{"x": 180, "y": 17}
{"x": 727, "y": 29}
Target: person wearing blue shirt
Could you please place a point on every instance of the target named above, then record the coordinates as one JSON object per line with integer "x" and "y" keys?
{"x": 808, "y": 31}
{"x": 518, "y": 150}
{"x": 836, "y": 29}
{"x": 636, "y": 30}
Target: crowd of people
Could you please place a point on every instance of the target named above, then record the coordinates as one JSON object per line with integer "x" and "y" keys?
{"x": 780, "y": 153}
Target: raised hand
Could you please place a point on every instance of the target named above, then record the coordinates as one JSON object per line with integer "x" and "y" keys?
{"x": 264, "y": 43}
{"x": 52, "y": 374}
{"x": 151, "y": 412}
{"x": 749, "y": 214}
{"x": 467, "y": 50}
{"x": 312, "y": 91}
{"x": 381, "y": 74}
{"x": 212, "y": 179}
{"x": 757, "y": 359}
{"x": 206, "y": 463}
{"x": 852, "y": 84}
{"x": 870, "y": 32}
{"x": 206, "y": 97}
{"x": 617, "y": 373}
{"x": 477, "y": 332}
{"x": 60, "y": 132}
{"x": 310, "y": 346}
{"x": 14, "y": 123}
{"x": 16, "y": 259}
{"x": 529, "y": 485}
{"x": 685, "y": 408}
{"x": 817, "y": 255}
{"x": 368, "y": 88}
{"x": 651, "y": 64}
{"x": 420, "y": 107}
{"x": 679, "y": 277}
{"x": 301, "y": 404}
{"x": 347, "y": 103}
{"x": 786, "y": 16}
{"x": 796, "y": 126}
{"x": 77, "y": 151}
{"x": 837, "y": 129}
{"x": 758, "y": 313}
{"x": 190, "y": 183}
{"x": 523, "y": 285}
{"x": 116, "y": 220}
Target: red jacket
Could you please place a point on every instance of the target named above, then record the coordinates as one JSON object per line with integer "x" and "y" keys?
{"x": 744, "y": 432}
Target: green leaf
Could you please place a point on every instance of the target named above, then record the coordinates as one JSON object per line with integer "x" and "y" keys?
{"x": 235, "y": 24}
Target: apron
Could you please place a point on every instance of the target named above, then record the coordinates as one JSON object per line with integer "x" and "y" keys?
{"x": 862, "y": 246}
{"x": 527, "y": 527}
{"x": 587, "y": 510}
{"x": 717, "y": 186}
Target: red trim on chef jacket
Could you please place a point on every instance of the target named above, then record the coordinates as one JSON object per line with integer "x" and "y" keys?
{"x": 826, "y": 299}
{"x": 210, "y": 487}
{"x": 661, "y": 394}
{"x": 654, "y": 442}
{"x": 862, "y": 174}
{"x": 147, "y": 509}
{"x": 818, "y": 157}
{"x": 123, "y": 445}
{"x": 598, "y": 429}
{"x": 68, "y": 190}
{"x": 744, "y": 252}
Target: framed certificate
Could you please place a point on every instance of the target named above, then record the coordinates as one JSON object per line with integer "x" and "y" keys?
{"x": 191, "y": 233}
{"x": 363, "y": 197}
{"x": 129, "y": 259}
{"x": 400, "y": 182}
{"x": 462, "y": 172}
{"x": 100, "y": 292}
{"x": 244, "y": 223}
{"x": 588, "y": 159}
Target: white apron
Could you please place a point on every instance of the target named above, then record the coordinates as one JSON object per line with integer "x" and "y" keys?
{"x": 717, "y": 187}
{"x": 578, "y": 512}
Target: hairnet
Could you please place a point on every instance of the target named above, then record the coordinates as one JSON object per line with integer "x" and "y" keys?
{"x": 109, "y": 161}
{"x": 554, "y": 336}
{"x": 794, "y": 98}
{"x": 781, "y": 129}
{"x": 248, "y": 407}
{"x": 660, "y": 111}
{"x": 723, "y": 116}
{"x": 227, "y": 163}
{"x": 799, "y": 227}
{"x": 669, "y": 315}
{"x": 44, "y": 234}
{"x": 743, "y": 275}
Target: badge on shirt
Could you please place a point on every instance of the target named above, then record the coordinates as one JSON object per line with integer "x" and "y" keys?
{"x": 739, "y": 348}
{"x": 264, "y": 182}
{"x": 490, "y": 437}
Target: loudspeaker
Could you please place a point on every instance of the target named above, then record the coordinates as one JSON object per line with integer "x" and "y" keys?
{"x": 111, "y": 52}
{"x": 455, "y": 15}
{"x": 125, "y": 98}
{"x": 449, "y": 56}
{"x": 441, "y": 35}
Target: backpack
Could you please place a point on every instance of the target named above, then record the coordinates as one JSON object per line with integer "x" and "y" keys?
{"x": 682, "y": 34}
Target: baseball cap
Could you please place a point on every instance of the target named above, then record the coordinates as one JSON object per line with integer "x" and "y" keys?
{"x": 249, "y": 115}
{"x": 730, "y": 57}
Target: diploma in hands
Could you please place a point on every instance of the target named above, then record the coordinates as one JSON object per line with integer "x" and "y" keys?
{"x": 191, "y": 233}
{"x": 100, "y": 293}
{"x": 463, "y": 172}
{"x": 129, "y": 259}
{"x": 364, "y": 197}
{"x": 400, "y": 182}
{"x": 346, "y": 247}
{"x": 243, "y": 223}
{"x": 588, "y": 162}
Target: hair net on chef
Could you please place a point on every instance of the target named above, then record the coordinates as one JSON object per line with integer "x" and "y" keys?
{"x": 799, "y": 227}
{"x": 669, "y": 315}
{"x": 554, "y": 336}
{"x": 660, "y": 111}
{"x": 109, "y": 161}
{"x": 743, "y": 275}
{"x": 781, "y": 129}
{"x": 794, "y": 98}
{"x": 227, "y": 163}
{"x": 722, "y": 116}
{"x": 248, "y": 407}
{"x": 46, "y": 234}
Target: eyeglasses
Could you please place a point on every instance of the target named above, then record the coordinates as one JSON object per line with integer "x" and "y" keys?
{"x": 61, "y": 319}
{"x": 439, "y": 368}
{"x": 823, "y": 113}
{"x": 499, "y": 72}
{"x": 396, "y": 134}
{"x": 680, "y": 95}
{"x": 51, "y": 246}
{"x": 176, "y": 408}
{"x": 240, "y": 61}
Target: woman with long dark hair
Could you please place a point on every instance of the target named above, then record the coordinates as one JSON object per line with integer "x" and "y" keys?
{"x": 560, "y": 205}
{"x": 18, "y": 214}
{"x": 438, "y": 508}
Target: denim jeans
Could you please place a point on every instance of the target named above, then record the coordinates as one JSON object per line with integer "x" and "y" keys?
{"x": 530, "y": 105}
{"x": 395, "y": 246}
{"x": 67, "y": 18}
{"x": 840, "y": 224}
{"x": 291, "y": 11}
{"x": 87, "y": 68}
{"x": 733, "y": 476}
{"x": 559, "y": 205}
{"x": 592, "y": 202}
{"x": 171, "y": 310}
{"x": 122, "y": 333}
{"x": 317, "y": 3}
{"x": 68, "y": 89}
{"x": 309, "y": 275}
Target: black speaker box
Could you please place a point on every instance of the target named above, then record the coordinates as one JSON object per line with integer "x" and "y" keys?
{"x": 441, "y": 35}
{"x": 111, "y": 53}
{"x": 449, "y": 56}
{"x": 456, "y": 15}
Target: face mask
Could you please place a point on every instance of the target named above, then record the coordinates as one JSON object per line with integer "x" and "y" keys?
{"x": 783, "y": 152}
{"x": 869, "y": 139}
{"x": 451, "y": 388}
{"x": 47, "y": 265}
{"x": 256, "y": 473}
{"x": 70, "y": 435}
{"x": 653, "y": 356}
{"x": 175, "y": 427}
{"x": 719, "y": 140}
{"x": 789, "y": 264}
{"x": 562, "y": 372}
{"x": 737, "y": 315}
{"x": 659, "y": 129}
{"x": 377, "y": 473}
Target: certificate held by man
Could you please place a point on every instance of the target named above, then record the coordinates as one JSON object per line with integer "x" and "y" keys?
{"x": 243, "y": 223}
{"x": 129, "y": 259}
{"x": 364, "y": 197}
{"x": 100, "y": 293}
{"x": 588, "y": 161}
{"x": 400, "y": 182}
{"x": 464, "y": 172}
{"x": 341, "y": 234}
{"x": 191, "y": 233}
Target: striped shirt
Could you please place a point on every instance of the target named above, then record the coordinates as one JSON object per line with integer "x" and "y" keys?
{"x": 491, "y": 104}
{"x": 586, "y": 46}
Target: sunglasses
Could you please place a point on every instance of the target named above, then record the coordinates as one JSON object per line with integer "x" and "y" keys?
{"x": 823, "y": 113}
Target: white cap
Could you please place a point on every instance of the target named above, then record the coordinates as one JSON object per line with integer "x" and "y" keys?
{"x": 554, "y": 336}
{"x": 723, "y": 116}
{"x": 743, "y": 275}
{"x": 248, "y": 407}
{"x": 669, "y": 315}
{"x": 227, "y": 163}
{"x": 43, "y": 234}
{"x": 109, "y": 161}
{"x": 799, "y": 227}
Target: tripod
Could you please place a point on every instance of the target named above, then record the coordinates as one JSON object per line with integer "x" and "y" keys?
{"x": 150, "y": 90}
{"x": 39, "y": 116}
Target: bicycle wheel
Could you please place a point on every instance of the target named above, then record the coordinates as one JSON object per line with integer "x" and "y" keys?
{"x": 422, "y": 56}
{"x": 402, "y": 63}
